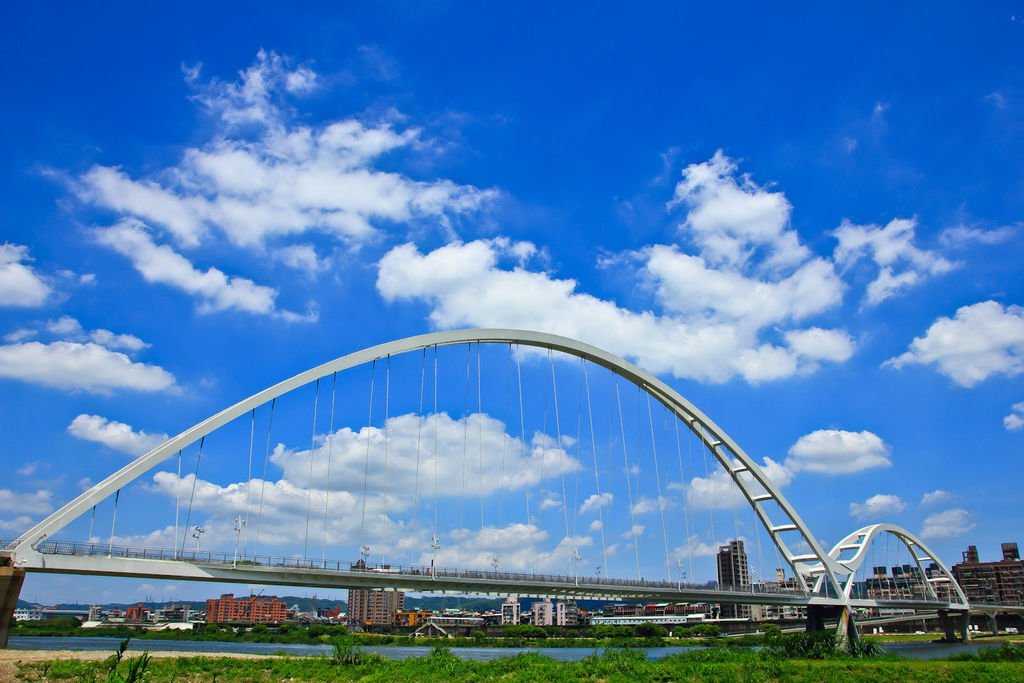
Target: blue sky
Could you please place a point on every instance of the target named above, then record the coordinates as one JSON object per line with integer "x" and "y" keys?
{"x": 806, "y": 220}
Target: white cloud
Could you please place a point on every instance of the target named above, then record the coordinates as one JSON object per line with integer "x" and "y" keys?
{"x": 730, "y": 217}
{"x": 595, "y": 502}
{"x": 836, "y": 451}
{"x": 37, "y": 503}
{"x": 645, "y": 505}
{"x": 20, "y": 334}
{"x": 17, "y": 525}
{"x": 1015, "y": 420}
{"x": 74, "y": 366}
{"x": 70, "y": 329}
{"x": 636, "y": 530}
{"x": 735, "y": 309}
{"x": 962, "y": 235}
{"x": 116, "y": 435}
{"x": 20, "y": 285}
{"x": 980, "y": 341}
{"x": 465, "y": 285}
{"x": 947, "y": 524}
{"x": 937, "y": 496}
{"x": 694, "y": 547}
{"x": 900, "y": 263}
{"x": 29, "y": 468}
{"x": 524, "y": 464}
{"x": 214, "y": 290}
{"x": 596, "y": 525}
{"x": 263, "y": 177}
{"x": 877, "y": 505}
{"x": 550, "y": 501}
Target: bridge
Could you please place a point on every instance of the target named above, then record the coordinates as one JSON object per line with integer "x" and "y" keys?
{"x": 567, "y": 456}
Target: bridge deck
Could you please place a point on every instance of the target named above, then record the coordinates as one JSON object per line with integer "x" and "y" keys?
{"x": 111, "y": 560}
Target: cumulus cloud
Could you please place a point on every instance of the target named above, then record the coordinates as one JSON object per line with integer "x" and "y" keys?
{"x": 214, "y": 290}
{"x": 730, "y": 217}
{"x": 37, "y": 503}
{"x": 947, "y": 524}
{"x": 83, "y": 367}
{"x": 901, "y": 264}
{"x": 115, "y": 435}
{"x": 877, "y": 505}
{"x": 265, "y": 178}
{"x": 735, "y": 308}
{"x": 492, "y": 451}
{"x": 20, "y": 284}
{"x": 595, "y": 502}
{"x": 465, "y": 285}
{"x": 836, "y": 451}
{"x": 1015, "y": 420}
{"x": 979, "y": 341}
{"x": 70, "y": 329}
{"x": 937, "y": 496}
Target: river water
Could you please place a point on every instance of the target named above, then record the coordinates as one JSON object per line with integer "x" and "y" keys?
{"x": 567, "y": 654}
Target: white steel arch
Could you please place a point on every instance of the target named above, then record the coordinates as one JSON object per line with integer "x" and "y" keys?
{"x": 858, "y": 543}
{"x": 754, "y": 484}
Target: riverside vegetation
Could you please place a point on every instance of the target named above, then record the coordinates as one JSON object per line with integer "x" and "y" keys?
{"x": 796, "y": 657}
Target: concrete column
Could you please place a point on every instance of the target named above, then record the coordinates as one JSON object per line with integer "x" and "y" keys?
{"x": 992, "y": 624}
{"x": 957, "y": 625}
{"x": 11, "y": 579}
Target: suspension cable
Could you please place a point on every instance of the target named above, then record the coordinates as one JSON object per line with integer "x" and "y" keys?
{"x": 629, "y": 486}
{"x": 504, "y": 453}
{"x": 366, "y": 466}
{"x": 558, "y": 434}
{"x": 657, "y": 479}
{"x": 330, "y": 458}
{"x": 480, "y": 434}
{"x": 435, "y": 540}
{"x": 526, "y": 452}
{"x": 576, "y": 472}
{"x": 263, "y": 486}
{"x": 686, "y": 502}
{"x": 707, "y": 489}
{"x": 92, "y": 520}
{"x": 465, "y": 457}
{"x": 597, "y": 474}
{"x": 309, "y": 484}
{"x": 195, "y": 478}
{"x": 387, "y": 415}
{"x": 177, "y": 504}
{"x": 113, "y": 521}
{"x": 419, "y": 434}
{"x": 248, "y": 483}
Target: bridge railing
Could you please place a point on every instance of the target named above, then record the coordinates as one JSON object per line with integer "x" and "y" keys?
{"x": 85, "y": 549}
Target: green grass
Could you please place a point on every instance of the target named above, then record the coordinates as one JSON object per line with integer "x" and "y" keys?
{"x": 621, "y": 665}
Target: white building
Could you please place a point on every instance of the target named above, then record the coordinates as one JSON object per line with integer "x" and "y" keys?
{"x": 542, "y": 613}
{"x": 28, "y": 614}
{"x": 510, "y": 610}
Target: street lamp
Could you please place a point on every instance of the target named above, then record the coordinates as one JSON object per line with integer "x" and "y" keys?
{"x": 239, "y": 525}
{"x": 435, "y": 545}
{"x": 682, "y": 574}
{"x": 494, "y": 564}
{"x": 364, "y": 552}
{"x": 196, "y": 533}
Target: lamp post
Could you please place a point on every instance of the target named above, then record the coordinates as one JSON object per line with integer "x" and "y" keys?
{"x": 682, "y": 574}
{"x": 435, "y": 545}
{"x": 197, "y": 532}
{"x": 239, "y": 525}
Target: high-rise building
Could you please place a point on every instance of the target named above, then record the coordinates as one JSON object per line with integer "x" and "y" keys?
{"x": 733, "y": 574}
{"x": 999, "y": 582}
{"x": 510, "y": 610}
{"x": 374, "y": 607}
{"x": 251, "y": 610}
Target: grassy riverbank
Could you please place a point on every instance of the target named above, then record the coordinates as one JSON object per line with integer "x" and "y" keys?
{"x": 441, "y": 665}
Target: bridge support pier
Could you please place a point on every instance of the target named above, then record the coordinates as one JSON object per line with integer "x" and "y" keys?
{"x": 11, "y": 579}
{"x": 817, "y": 615}
{"x": 956, "y": 625}
{"x": 993, "y": 625}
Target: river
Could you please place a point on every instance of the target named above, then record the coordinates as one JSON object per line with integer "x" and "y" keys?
{"x": 915, "y": 650}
